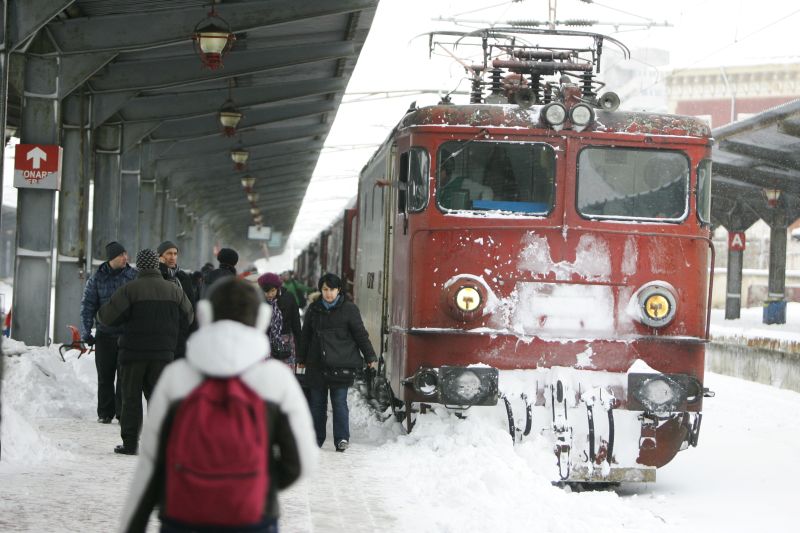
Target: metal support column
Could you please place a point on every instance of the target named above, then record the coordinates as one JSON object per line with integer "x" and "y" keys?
{"x": 733, "y": 295}
{"x": 36, "y": 208}
{"x": 170, "y": 219}
{"x": 106, "y": 208}
{"x": 73, "y": 212}
{"x": 5, "y": 56}
{"x": 775, "y": 307}
{"x": 180, "y": 229}
{"x": 158, "y": 216}
{"x": 147, "y": 214}
{"x": 129, "y": 201}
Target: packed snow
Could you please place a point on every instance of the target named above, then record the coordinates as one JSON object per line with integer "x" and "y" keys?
{"x": 58, "y": 471}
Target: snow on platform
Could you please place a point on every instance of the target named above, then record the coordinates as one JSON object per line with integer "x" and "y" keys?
{"x": 749, "y": 330}
{"x": 58, "y": 471}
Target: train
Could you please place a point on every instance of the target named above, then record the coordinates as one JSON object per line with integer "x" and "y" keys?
{"x": 540, "y": 250}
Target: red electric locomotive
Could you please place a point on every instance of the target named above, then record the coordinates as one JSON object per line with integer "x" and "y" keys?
{"x": 540, "y": 248}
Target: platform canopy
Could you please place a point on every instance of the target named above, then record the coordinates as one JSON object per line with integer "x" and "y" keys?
{"x": 753, "y": 159}
{"x": 286, "y": 73}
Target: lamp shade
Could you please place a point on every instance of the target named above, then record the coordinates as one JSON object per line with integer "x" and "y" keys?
{"x": 772, "y": 195}
{"x": 212, "y": 38}
{"x": 248, "y": 182}
{"x": 229, "y": 117}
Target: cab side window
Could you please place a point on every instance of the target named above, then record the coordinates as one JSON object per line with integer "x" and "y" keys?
{"x": 412, "y": 194}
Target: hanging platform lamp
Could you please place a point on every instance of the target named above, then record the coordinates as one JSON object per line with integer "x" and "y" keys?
{"x": 212, "y": 39}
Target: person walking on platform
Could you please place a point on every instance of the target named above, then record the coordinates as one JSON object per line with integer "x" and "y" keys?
{"x": 110, "y": 276}
{"x": 295, "y": 288}
{"x": 168, "y": 265}
{"x": 151, "y": 311}
{"x": 331, "y": 346}
{"x": 227, "y": 258}
{"x": 291, "y": 328}
{"x": 222, "y": 410}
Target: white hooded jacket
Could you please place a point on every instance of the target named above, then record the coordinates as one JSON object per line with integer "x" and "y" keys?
{"x": 223, "y": 349}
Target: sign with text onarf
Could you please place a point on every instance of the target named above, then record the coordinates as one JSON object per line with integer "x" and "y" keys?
{"x": 37, "y": 166}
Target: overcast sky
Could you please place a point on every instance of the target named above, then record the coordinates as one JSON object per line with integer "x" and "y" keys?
{"x": 701, "y": 33}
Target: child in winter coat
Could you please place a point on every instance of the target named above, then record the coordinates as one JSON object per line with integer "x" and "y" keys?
{"x": 226, "y": 354}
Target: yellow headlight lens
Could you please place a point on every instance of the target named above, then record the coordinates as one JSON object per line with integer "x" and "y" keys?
{"x": 656, "y": 306}
{"x": 468, "y": 298}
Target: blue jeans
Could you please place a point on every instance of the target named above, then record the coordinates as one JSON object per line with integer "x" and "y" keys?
{"x": 318, "y": 402}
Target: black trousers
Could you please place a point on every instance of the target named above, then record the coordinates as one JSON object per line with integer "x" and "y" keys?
{"x": 137, "y": 377}
{"x": 109, "y": 395}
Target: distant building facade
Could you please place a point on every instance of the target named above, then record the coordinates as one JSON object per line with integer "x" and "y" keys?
{"x": 722, "y": 95}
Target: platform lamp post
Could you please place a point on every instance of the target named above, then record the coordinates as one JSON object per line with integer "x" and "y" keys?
{"x": 775, "y": 306}
{"x": 212, "y": 38}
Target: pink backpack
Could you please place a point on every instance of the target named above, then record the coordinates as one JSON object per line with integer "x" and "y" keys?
{"x": 217, "y": 470}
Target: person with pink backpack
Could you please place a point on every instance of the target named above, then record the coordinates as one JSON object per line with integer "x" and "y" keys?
{"x": 227, "y": 427}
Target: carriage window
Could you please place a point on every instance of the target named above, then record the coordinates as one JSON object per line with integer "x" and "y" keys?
{"x": 495, "y": 176}
{"x": 624, "y": 183}
{"x": 704, "y": 191}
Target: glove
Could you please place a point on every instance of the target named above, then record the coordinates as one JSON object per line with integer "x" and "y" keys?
{"x": 89, "y": 340}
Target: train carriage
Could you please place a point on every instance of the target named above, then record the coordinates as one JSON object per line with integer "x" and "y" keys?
{"x": 541, "y": 249}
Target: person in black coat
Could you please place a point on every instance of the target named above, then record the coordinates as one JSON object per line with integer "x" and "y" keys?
{"x": 332, "y": 342}
{"x": 152, "y": 312}
{"x": 168, "y": 266}
{"x": 227, "y": 258}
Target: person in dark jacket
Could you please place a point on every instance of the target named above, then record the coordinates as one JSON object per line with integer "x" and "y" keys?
{"x": 227, "y": 258}
{"x": 291, "y": 327}
{"x": 110, "y": 276}
{"x": 332, "y": 342}
{"x": 230, "y": 342}
{"x": 168, "y": 265}
{"x": 151, "y": 311}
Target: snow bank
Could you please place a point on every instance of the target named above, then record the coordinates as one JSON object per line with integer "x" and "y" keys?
{"x": 37, "y": 384}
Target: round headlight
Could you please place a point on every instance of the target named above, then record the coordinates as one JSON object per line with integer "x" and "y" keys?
{"x": 468, "y": 298}
{"x": 555, "y": 113}
{"x": 581, "y": 115}
{"x": 468, "y": 385}
{"x": 656, "y": 306}
{"x": 426, "y": 381}
{"x": 658, "y": 392}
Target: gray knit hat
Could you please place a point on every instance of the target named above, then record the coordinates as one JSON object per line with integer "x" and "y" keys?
{"x": 147, "y": 259}
{"x": 113, "y": 250}
{"x": 164, "y": 246}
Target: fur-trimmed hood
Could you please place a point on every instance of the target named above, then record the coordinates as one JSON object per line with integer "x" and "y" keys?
{"x": 226, "y": 348}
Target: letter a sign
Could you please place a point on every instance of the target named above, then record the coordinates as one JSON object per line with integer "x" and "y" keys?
{"x": 37, "y": 166}
{"x": 736, "y": 241}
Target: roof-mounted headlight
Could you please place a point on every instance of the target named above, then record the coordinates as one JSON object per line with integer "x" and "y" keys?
{"x": 580, "y": 116}
{"x": 554, "y": 115}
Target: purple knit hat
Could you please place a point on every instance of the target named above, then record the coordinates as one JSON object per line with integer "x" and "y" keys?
{"x": 269, "y": 280}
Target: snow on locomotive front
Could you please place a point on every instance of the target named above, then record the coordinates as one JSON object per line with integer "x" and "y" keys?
{"x": 540, "y": 248}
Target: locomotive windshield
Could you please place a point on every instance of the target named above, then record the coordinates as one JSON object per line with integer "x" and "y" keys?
{"x": 625, "y": 183}
{"x": 496, "y": 176}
